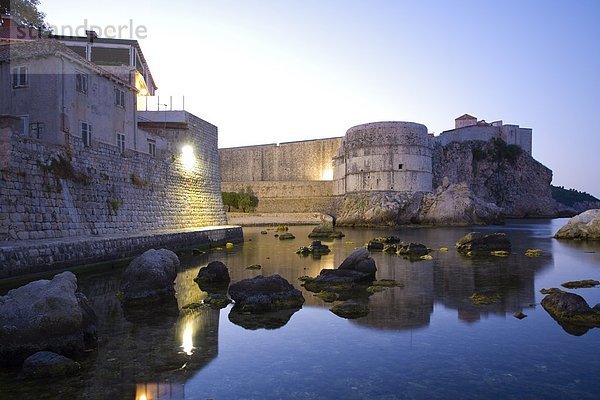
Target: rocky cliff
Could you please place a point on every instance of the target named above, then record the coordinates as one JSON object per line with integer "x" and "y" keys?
{"x": 497, "y": 173}
{"x": 475, "y": 182}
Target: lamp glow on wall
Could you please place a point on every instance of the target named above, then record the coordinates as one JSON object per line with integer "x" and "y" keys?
{"x": 327, "y": 174}
{"x": 188, "y": 158}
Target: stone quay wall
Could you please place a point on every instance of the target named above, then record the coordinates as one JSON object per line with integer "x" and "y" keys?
{"x": 36, "y": 256}
{"x": 52, "y": 191}
{"x": 289, "y": 177}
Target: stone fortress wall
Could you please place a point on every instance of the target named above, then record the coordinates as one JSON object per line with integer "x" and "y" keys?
{"x": 286, "y": 177}
{"x": 384, "y": 156}
{"x": 374, "y": 157}
{"x": 54, "y": 191}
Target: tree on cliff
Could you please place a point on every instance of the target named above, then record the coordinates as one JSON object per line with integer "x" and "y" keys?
{"x": 25, "y": 11}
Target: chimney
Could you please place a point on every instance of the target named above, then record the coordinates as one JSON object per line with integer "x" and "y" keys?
{"x": 91, "y": 35}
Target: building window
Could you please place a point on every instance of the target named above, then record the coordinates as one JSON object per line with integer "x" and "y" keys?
{"x": 81, "y": 82}
{"x": 36, "y": 129}
{"x": 121, "y": 142}
{"x": 152, "y": 147}
{"x": 86, "y": 134}
{"x": 20, "y": 77}
{"x": 23, "y": 124}
{"x": 119, "y": 98}
{"x": 400, "y": 166}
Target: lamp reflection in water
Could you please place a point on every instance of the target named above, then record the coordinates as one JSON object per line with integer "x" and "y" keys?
{"x": 187, "y": 338}
{"x": 163, "y": 391}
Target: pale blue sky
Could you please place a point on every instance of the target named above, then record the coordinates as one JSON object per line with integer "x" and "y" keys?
{"x": 276, "y": 71}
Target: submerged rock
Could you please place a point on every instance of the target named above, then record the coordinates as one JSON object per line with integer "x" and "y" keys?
{"x": 316, "y": 249}
{"x": 585, "y": 226}
{"x": 360, "y": 261}
{"x": 483, "y": 299}
{"x": 46, "y": 315}
{"x": 149, "y": 278}
{"x": 286, "y": 236}
{"x": 533, "y": 253}
{"x": 380, "y": 243}
{"x": 519, "y": 315}
{"x": 265, "y": 293}
{"x": 586, "y": 283}
{"x": 477, "y": 243}
{"x": 45, "y": 364}
{"x": 217, "y": 300}
{"x": 350, "y": 309}
{"x": 551, "y": 290}
{"x": 413, "y": 250}
{"x": 215, "y": 274}
{"x": 254, "y": 267}
{"x": 325, "y": 231}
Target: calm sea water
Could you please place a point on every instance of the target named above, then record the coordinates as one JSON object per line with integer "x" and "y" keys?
{"x": 424, "y": 340}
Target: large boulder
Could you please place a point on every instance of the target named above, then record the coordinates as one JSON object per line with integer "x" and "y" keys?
{"x": 214, "y": 277}
{"x": 585, "y": 226}
{"x": 45, "y": 364}
{"x": 264, "y": 294}
{"x": 46, "y": 315}
{"x": 149, "y": 278}
{"x": 572, "y": 312}
{"x": 361, "y": 261}
{"x": 477, "y": 243}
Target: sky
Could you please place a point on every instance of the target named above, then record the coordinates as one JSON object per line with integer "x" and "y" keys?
{"x": 273, "y": 71}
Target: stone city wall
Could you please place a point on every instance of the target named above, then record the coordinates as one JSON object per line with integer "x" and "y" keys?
{"x": 289, "y": 177}
{"x": 52, "y": 191}
{"x": 283, "y": 196}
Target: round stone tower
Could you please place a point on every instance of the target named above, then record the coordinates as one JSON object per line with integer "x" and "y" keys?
{"x": 384, "y": 156}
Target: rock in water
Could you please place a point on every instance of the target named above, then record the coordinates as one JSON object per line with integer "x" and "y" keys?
{"x": 46, "y": 315}
{"x": 350, "y": 309}
{"x": 286, "y": 236}
{"x": 476, "y": 243}
{"x": 361, "y": 261}
{"x": 264, "y": 294}
{"x": 571, "y": 308}
{"x": 214, "y": 274}
{"x": 325, "y": 231}
{"x": 413, "y": 250}
{"x": 45, "y": 364}
{"x": 585, "y": 226}
{"x": 149, "y": 278}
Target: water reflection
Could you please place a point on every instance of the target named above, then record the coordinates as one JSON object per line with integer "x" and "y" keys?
{"x": 162, "y": 391}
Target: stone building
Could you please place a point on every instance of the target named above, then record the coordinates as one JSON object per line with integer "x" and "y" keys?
{"x": 80, "y": 163}
{"x": 468, "y": 128}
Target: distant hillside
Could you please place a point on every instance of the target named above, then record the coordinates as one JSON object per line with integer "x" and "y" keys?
{"x": 570, "y": 197}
